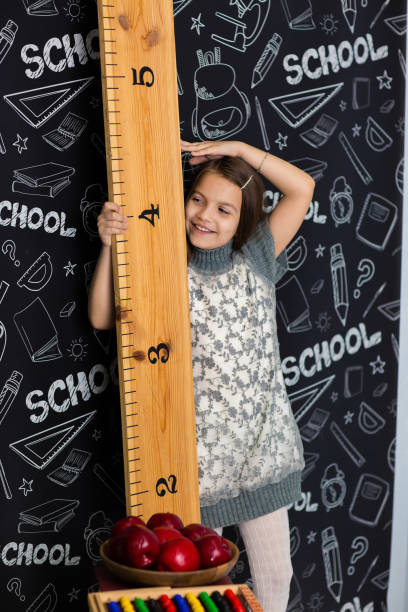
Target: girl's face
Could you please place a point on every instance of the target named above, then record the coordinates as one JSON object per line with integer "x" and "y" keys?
{"x": 213, "y": 211}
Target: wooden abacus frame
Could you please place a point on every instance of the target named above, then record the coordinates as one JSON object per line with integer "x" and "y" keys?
{"x": 97, "y": 601}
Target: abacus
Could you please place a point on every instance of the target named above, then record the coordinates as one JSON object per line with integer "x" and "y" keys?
{"x": 215, "y": 598}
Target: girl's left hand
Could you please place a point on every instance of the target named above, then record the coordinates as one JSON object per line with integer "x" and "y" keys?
{"x": 204, "y": 151}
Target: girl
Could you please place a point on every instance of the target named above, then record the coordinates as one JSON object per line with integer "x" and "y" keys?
{"x": 250, "y": 453}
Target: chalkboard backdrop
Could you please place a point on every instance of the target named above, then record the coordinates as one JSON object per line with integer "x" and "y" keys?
{"x": 319, "y": 84}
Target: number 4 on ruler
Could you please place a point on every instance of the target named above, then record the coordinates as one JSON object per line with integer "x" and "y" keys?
{"x": 150, "y": 213}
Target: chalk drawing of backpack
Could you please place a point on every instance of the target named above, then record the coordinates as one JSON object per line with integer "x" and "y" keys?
{"x": 221, "y": 108}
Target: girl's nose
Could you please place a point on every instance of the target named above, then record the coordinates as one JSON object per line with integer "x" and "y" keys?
{"x": 205, "y": 213}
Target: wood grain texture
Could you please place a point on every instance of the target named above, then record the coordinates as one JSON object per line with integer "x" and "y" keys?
{"x": 149, "y": 261}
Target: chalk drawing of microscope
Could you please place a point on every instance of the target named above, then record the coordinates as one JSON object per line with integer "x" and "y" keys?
{"x": 221, "y": 108}
{"x": 252, "y": 16}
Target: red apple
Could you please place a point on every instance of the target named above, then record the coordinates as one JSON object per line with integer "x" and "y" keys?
{"x": 214, "y": 550}
{"x": 124, "y": 523}
{"x": 165, "y": 534}
{"x": 141, "y": 547}
{"x": 116, "y": 548}
{"x": 180, "y": 555}
{"x": 165, "y": 519}
{"x": 195, "y": 531}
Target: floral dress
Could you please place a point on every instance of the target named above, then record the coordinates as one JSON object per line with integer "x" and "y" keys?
{"x": 250, "y": 454}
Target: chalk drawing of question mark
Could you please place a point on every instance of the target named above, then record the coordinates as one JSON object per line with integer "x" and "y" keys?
{"x": 360, "y": 545}
{"x": 367, "y": 267}
{"x": 14, "y": 585}
{"x": 8, "y": 247}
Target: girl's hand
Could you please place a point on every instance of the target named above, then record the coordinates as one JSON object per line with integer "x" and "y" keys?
{"x": 204, "y": 151}
{"x": 111, "y": 221}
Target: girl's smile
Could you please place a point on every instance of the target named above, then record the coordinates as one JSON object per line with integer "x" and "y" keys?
{"x": 213, "y": 211}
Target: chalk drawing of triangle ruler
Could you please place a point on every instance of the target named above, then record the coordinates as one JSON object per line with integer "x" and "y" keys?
{"x": 139, "y": 78}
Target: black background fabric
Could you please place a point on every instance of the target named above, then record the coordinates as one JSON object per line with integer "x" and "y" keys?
{"x": 345, "y": 402}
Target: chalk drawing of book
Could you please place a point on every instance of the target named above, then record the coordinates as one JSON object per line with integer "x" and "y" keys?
{"x": 40, "y": 8}
{"x": 315, "y": 424}
{"x": 68, "y": 132}
{"x": 71, "y": 468}
{"x": 320, "y": 133}
{"x": 377, "y": 220}
{"x": 46, "y": 180}
{"x": 50, "y": 516}
{"x": 314, "y": 167}
{"x": 292, "y": 305}
{"x": 298, "y": 14}
{"x": 37, "y": 106}
{"x": 298, "y": 107}
{"x": 38, "y": 332}
{"x": 42, "y": 447}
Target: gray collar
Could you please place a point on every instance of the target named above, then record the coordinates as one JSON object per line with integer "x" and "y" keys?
{"x": 212, "y": 259}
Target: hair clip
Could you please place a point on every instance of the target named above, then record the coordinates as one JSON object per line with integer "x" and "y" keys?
{"x": 246, "y": 182}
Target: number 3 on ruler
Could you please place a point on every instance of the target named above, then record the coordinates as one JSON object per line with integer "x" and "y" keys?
{"x": 139, "y": 79}
{"x": 156, "y": 350}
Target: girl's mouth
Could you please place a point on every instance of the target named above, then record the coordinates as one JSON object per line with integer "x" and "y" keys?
{"x": 201, "y": 230}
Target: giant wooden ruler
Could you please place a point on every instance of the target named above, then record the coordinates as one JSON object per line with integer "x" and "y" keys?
{"x": 142, "y": 134}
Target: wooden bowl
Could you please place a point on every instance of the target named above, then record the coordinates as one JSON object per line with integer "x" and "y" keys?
{"x": 156, "y": 578}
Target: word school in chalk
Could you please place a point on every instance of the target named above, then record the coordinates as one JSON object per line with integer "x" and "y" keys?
{"x": 19, "y": 215}
{"x": 26, "y": 553}
{"x": 319, "y": 62}
{"x": 323, "y": 354}
{"x": 57, "y": 54}
{"x": 65, "y": 393}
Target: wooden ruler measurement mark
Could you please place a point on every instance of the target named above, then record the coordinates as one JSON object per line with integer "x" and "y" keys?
{"x": 139, "y": 80}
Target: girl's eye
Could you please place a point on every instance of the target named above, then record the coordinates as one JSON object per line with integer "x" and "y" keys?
{"x": 224, "y": 211}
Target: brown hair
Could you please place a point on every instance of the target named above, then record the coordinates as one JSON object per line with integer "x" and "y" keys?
{"x": 237, "y": 171}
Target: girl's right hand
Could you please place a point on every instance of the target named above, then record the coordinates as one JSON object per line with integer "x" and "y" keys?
{"x": 111, "y": 221}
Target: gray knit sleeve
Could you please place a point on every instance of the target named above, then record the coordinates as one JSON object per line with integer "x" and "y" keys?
{"x": 260, "y": 250}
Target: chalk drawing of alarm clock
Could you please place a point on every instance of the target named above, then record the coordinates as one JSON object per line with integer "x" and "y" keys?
{"x": 333, "y": 487}
{"x": 342, "y": 205}
{"x": 91, "y": 205}
{"x": 221, "y": 108}
{"x": 98, "y": 530}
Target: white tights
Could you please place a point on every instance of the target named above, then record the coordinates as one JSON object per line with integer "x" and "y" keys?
{"x": 266, "y": 540}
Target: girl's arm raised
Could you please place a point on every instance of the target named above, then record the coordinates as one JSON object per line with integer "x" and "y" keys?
{"x": 101, "y": 304}
{"x": 296, "y": 185}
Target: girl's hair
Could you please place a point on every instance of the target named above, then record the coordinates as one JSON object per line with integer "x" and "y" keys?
{"x": 237, "y": 171}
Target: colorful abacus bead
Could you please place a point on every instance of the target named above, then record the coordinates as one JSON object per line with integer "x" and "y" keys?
{"x": 234, "y": 601}
{"x": 244, "y": 602}
{"x": 126, "y": 604}
{"x": 114, "y": 606}
{"x": 167, "y": 604}
{"x": 181, "y": 604}
{"x": 221, "y": 602}
{"x": 154, "y": 605}
{"x": 207, "y": 602}
{"x": 140, "y": 605}
{"x": 194, "y": 603}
